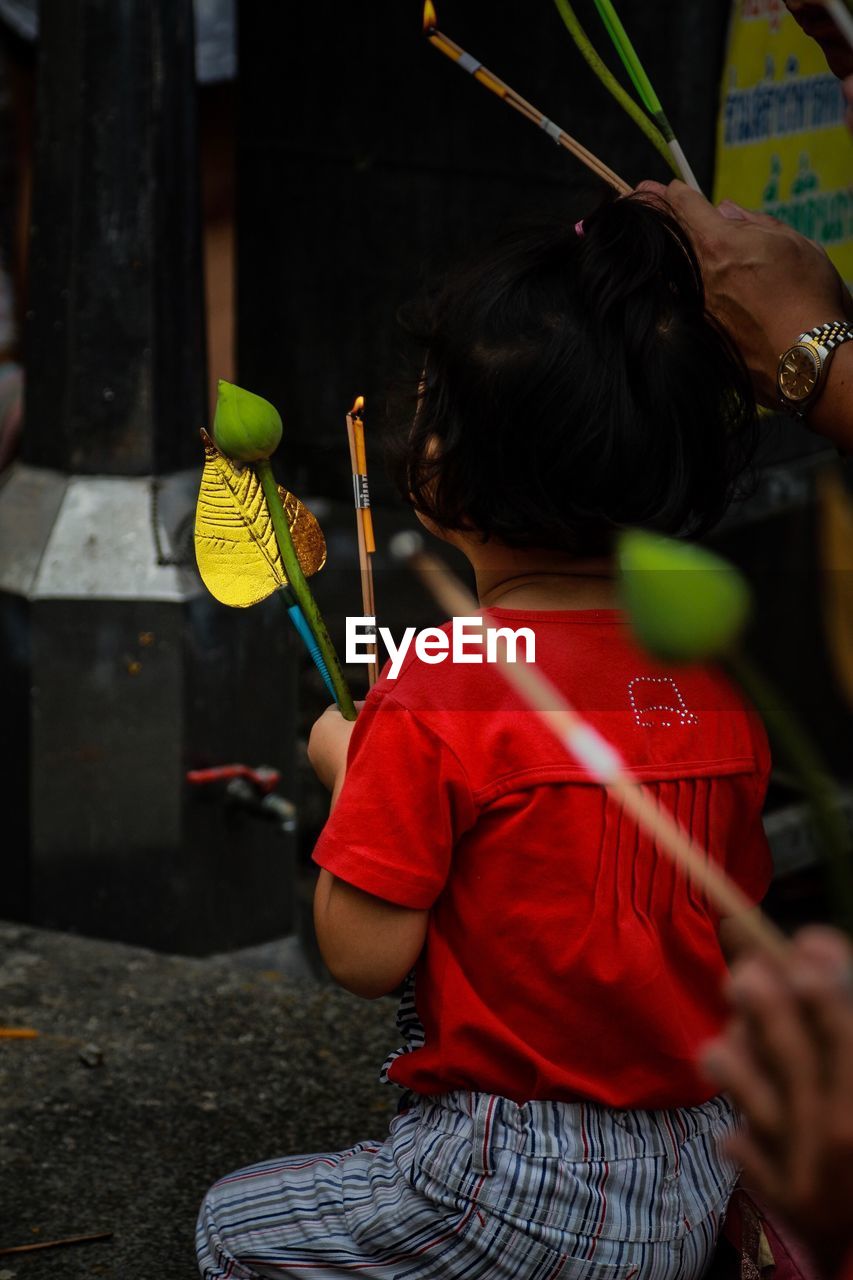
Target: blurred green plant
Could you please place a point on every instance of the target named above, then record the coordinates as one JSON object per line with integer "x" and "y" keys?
{"x": 687, "y": 604}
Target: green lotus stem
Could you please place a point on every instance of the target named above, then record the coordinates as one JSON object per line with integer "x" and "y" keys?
{"x": 818, "y": 787}
{"x": 605, "y": 75}
{"x": 629, "y": 56}
{"x": 301, "y": 591}
{"x": 644, "y": 87}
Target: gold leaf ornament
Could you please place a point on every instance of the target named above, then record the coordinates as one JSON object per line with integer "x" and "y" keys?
{"x": 235, "y": 545}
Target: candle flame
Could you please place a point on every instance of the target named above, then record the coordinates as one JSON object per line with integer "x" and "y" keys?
{"x": 358, "y": 405}
{"x": 430, "y": 16}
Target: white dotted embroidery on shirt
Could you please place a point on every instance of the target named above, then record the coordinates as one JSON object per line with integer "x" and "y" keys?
{"x": 649, "y": 715}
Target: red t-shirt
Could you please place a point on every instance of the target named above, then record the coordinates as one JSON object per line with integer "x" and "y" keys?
{"x": 565, "y": 958}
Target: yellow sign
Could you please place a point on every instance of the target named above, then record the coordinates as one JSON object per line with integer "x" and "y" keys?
{"x": 782, "y": 145}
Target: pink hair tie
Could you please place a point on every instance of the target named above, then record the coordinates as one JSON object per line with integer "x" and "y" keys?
{"x": 579, "y": 229}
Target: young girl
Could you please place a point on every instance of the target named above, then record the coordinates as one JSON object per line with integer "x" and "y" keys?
{"x": 565, "y": 974}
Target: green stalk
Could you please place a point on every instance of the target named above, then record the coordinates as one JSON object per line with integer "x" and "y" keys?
{"x": 629, "y": 56}
{"x": 820, "y": 790}
{"x": 645, "y": 88}
{"x": 656, "y": 136}
{"x": 666, "y": 129}
{"x": 300, "y": 589}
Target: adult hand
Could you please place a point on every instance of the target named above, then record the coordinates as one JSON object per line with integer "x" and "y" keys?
{"x": 817, "y": 22}
{"x": 328, "y": 745}
{"x": 765, "y": 283}
{"x": 786, "y": 1058}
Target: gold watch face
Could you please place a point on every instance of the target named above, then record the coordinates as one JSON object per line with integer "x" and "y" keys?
{"x": 799, "y": 372}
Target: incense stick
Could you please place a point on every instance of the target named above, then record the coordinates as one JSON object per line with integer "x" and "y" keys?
{"x": 601, "y": 761}
{"x": 502, "y": 90}
{"x": 612, "y": 85}
{"x": 363, "y": 522}
{"x": 643, "y": 85}
{"x": 37, "y": 1246}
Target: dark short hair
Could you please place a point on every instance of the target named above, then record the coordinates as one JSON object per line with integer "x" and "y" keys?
{"x": 574, "y": 385}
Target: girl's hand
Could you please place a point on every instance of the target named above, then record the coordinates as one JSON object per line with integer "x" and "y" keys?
{"x": 328, "y": 745}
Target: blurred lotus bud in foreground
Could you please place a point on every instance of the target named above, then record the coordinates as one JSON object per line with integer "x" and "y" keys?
{"x": 685, "y": 604}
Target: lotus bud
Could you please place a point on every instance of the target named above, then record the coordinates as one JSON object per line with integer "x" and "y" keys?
{"x": 245, "y": 427}
{"x": 685, "y": 604}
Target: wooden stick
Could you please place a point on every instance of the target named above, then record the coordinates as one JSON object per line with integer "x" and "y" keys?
{"x": 457, "y": 54}
{"x": 612, "y": 85}
{"x": 19, "y": 1033}
{"x": 56, "y": 1244}
{"x": 363, "y": 522}
{"x": 599, "y": 758}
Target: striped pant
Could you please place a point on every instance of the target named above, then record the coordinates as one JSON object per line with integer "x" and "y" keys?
{"x": 471, "y": 1185}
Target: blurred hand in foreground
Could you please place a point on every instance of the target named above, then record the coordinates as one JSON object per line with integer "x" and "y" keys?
{"x": 786, "y": 1058}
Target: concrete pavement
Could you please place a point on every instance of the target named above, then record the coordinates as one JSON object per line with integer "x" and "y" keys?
{"x": 152, "y": 1076}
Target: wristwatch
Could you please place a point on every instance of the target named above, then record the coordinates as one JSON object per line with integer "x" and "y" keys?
{"x": 802, "y": 368}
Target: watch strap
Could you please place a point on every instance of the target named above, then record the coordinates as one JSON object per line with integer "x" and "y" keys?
{"x": 829, "y": 336}
{"x": 823, "y": 339}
